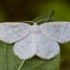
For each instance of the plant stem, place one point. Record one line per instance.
(21, 64)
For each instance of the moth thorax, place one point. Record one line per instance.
(35, 29)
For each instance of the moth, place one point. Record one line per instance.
(30, 40)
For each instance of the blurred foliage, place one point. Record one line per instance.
(20, 10)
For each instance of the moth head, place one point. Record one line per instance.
(35, 28)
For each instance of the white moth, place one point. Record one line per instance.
(35, 40)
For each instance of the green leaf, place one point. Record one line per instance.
(8, 61)
(49, 16)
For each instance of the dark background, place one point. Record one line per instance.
(21, 10)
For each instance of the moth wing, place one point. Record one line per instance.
(46, 48)
(13, 31)
(25, 49)
(59, 31)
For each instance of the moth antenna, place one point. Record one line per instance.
(29, 21)
(43, 20)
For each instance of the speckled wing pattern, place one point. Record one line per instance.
(46, 48)
(42, 43)
(11, 32)
(26, 48)
(58, 31)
